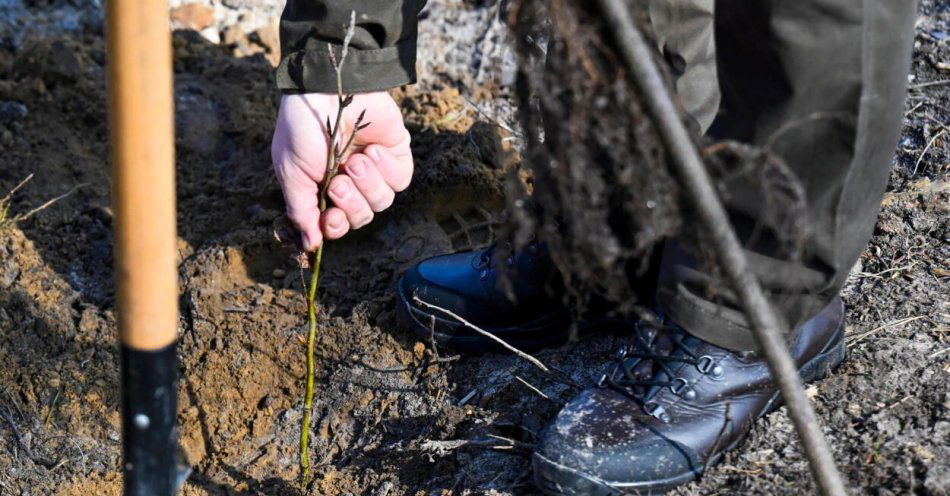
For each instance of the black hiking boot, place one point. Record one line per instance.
(470, 285)
(669, 408)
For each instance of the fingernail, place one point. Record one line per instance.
(373, 153)
(306, 241)
(356, 168)
(335, 224)
(340, 190)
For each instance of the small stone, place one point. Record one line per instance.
(194, 16)
(279, 273)
(211, 34)
(241, 46)
(233, 35)
(9, 273)
(12, 111)
(923, 453)
(6, 138)
(62, 65)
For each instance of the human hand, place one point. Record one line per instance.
(378, 166)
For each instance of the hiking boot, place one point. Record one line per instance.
(670, 407)
(470, 284)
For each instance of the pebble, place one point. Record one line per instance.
(193, 16)
(12, 111)
(279, 273)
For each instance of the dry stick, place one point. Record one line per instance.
(16, 188)
(853, 340)
(536, 390)
(485, 333)
(766, 327)
(334, 157)
(927, 149)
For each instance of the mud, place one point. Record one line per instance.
(389, 407)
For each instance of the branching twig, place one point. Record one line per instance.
(335, 155)
(5, 202)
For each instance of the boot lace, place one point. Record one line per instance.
(649, 364)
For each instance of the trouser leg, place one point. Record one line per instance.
(820, 84)
(684, 34)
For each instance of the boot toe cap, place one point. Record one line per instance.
(596, 442)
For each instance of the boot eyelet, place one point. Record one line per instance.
(681, 388)
(707, 365)
(679, 385)
(656, 410)
(621, 352)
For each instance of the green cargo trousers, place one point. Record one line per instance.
(821, 83)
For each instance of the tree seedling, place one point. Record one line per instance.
(337, 150)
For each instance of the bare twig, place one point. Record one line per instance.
(536, 390)
(46, 205)
(493, 120)
(5, 202)
(441, 448)
(853, 340)
(927, 149)
(467, 397)
(16, 188)
(928, 84)
(699, 188)
(516, 351)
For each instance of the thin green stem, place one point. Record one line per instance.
(315, 260)
(311, 340)
(334, 157)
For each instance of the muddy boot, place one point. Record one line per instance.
(669, 408)
(471, 285)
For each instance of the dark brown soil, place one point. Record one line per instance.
(381, 400)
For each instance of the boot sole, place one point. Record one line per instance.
(557, 480)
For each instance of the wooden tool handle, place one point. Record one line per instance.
(142, 112)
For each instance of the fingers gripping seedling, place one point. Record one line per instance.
(339, 146)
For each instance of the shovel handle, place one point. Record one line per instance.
(143, 157)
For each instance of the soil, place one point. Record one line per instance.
(388, 417)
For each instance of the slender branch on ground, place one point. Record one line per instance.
(554, 373)
(5, 202)
(495, 442)
(531, 387)
(485, 333)
(335, 156)
(699, 188)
